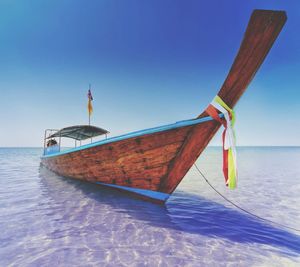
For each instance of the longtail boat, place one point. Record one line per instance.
(151, 163)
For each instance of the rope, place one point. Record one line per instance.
(240, 208)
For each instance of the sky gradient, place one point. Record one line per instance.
(149, 62)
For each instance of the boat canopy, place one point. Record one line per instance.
(79, 132)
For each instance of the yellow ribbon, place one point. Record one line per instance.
(219, 104)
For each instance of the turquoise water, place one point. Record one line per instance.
(47, 220)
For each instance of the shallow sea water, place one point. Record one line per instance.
(48, 220)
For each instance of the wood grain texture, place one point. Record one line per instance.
(139, 162)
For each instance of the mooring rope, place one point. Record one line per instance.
(240, 208)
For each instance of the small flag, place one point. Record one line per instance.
(90, 107)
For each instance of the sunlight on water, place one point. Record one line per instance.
(47, 220)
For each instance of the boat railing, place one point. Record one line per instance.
(51, 148)
(55, 148)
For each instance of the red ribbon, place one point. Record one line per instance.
(213, 112)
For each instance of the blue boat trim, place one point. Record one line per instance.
(176, 125)
(147, 193)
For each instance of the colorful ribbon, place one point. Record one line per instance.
(228, 137)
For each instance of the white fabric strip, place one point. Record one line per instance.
(229, 141)
(229, 136)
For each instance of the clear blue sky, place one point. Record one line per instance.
(149, 63)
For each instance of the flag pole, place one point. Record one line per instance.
(89, 112)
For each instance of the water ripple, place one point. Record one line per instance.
(47, 220)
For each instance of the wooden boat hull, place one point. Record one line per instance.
(152, 162)
(135, 162)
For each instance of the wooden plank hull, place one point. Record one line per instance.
(153, 163)
(139, 162)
